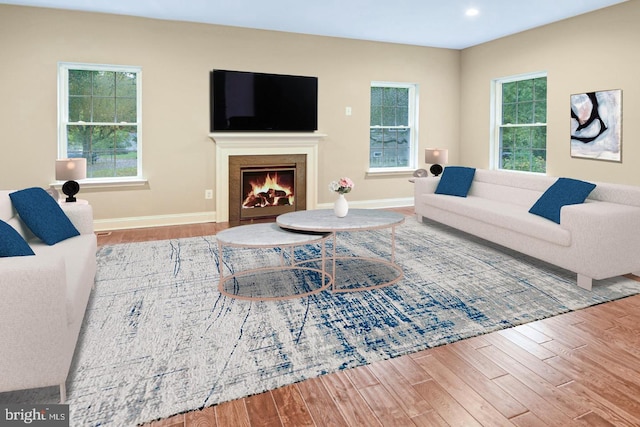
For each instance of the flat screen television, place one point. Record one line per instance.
(258, 102)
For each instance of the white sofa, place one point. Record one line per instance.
(597, 239)
(43, 301)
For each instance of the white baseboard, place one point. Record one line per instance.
(202, 217)
(153, 221)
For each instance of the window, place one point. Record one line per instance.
(393, 131)
(521, 124)
(99, 119)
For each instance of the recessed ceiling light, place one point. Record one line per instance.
(472, 12)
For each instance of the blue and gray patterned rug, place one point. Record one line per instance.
(159, 338)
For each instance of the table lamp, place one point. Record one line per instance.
(70, 170)
(434, 157)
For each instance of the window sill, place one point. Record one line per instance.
(390, 172)
(106, 183)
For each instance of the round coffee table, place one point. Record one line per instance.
(325, 221)
(269, 235)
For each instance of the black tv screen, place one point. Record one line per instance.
(259, 102)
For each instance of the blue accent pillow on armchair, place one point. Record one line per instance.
(12, 243)
(456, 181)
(565, 191)
(43, 215)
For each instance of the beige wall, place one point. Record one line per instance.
(176, 59)
(596, 51)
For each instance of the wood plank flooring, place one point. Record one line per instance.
(580, 368)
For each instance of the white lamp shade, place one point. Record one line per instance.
(71, 169)
(436, 156)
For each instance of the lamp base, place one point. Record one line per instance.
(436, 169)
(70, 189)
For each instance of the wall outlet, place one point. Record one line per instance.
(208, 194)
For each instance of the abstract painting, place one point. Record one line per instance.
(596, 125)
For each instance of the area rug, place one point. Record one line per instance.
(159, 339)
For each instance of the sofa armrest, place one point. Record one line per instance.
(81, 216)
(608, 219)
(33, 322)
(425, 185)
(603, 230)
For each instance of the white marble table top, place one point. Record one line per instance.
(324, 220)
(265, 235)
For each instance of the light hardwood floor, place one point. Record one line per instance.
(579, 368)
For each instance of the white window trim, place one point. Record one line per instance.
(414, 103)
(63, 119)
(496, 114)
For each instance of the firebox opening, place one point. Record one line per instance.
(267, 188)
(267, 191)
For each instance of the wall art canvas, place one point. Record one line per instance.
(596, 125)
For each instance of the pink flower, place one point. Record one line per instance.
(342, 186)
(346, 182)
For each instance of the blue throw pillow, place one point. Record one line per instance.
(43, 215)
(565, 191)
(456, 181)
(12, 243)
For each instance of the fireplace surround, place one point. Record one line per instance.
(266, 185)
(228, 144)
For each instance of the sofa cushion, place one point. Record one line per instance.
(565, 191)
(504, 215)
(12, 243)
(6, 208)
(456, 181)
(505, 193)
(43, 215)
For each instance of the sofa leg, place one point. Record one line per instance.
(585, 282)
(63, 393)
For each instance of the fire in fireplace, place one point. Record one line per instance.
(266, 188)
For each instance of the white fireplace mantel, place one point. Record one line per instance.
(263, 143)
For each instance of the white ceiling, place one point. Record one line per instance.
(437, 23)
